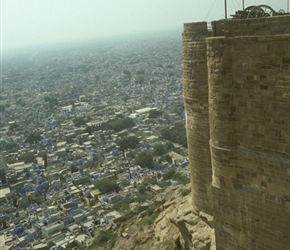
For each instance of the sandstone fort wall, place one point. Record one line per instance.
(195, 93)
(248, 131)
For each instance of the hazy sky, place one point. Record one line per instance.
(30, 22)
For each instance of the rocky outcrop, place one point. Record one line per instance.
(177, 225)
(189, 229)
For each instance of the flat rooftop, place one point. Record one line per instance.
(3, 192)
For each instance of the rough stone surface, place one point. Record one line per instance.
(248, 65)
(194, 231)
(195, 95)
(176, 227)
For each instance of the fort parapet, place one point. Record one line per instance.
(236, 83)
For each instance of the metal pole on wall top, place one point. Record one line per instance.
(226, 9)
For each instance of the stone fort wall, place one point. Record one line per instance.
(195, 94)
(238, 128)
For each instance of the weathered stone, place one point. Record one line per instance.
(195, 231)
(240, 103)
(195, 94)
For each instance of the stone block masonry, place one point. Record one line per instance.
(195, 94)
(243, 153)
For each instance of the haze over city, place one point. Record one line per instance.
(31, 22)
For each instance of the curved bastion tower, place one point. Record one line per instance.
(236, 84)
(195, 95)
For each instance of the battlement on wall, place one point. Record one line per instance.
(276, 25)
(236, 84)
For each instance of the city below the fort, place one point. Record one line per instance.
(89, 134)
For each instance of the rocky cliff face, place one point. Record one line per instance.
(191, 230)
(174, 226)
